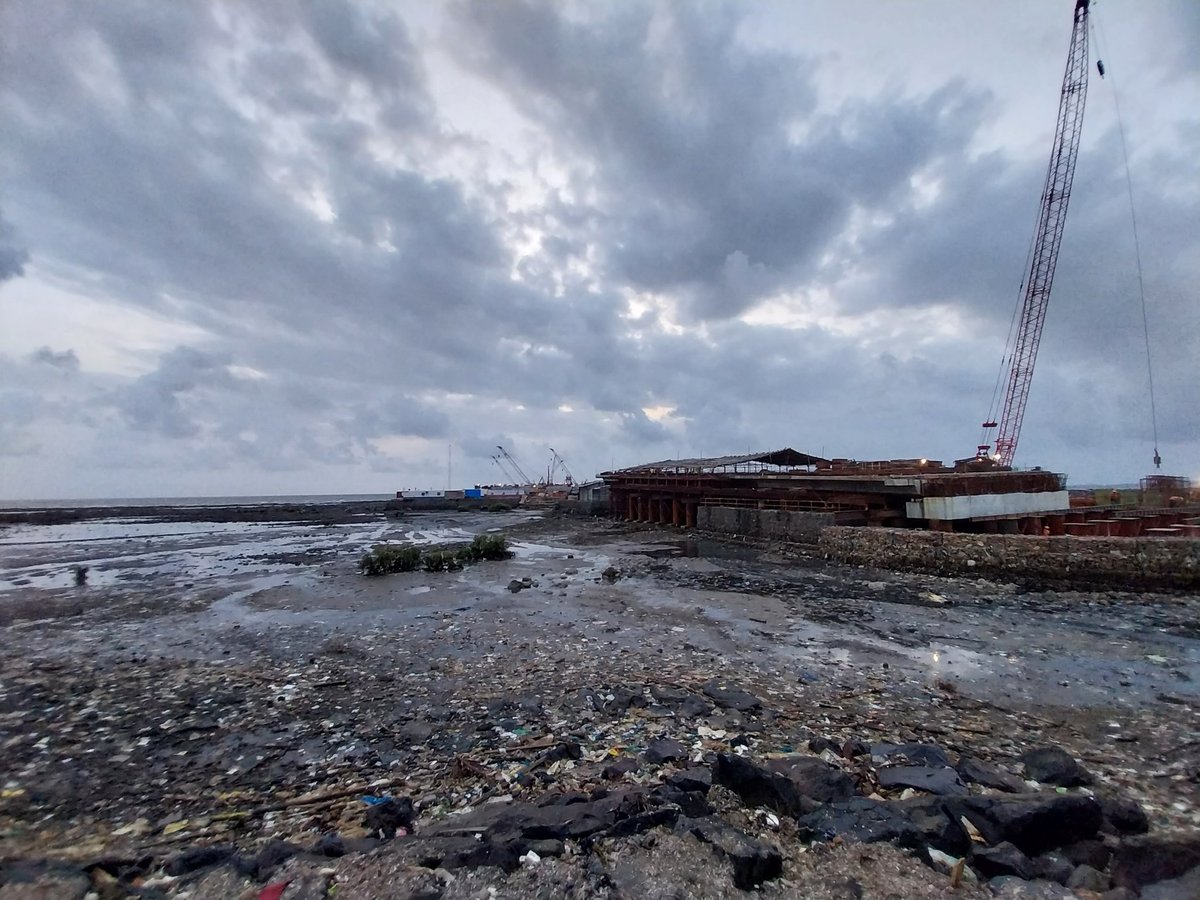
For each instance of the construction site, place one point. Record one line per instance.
(982, 493)
(904, 493)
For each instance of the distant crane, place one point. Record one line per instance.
(524, 479)
(557, 463)
(500, 464)
(1044, 252)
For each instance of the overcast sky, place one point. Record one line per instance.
(252, 248)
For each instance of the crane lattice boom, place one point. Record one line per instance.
(1047, 239)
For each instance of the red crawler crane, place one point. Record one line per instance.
(1047, 239)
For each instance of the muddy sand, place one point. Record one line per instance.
(223, 707)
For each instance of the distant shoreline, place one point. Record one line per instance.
(154, 502)
(331, 510)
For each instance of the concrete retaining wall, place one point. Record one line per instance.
(1117, 562)
(772, 524)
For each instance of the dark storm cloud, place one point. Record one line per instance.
(358, 269)
(705, 192)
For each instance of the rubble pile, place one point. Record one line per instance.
(172, 782)
(591, 724)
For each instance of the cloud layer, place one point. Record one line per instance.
(333, 238)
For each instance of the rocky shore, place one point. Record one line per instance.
(646, 716)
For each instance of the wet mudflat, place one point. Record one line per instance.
(224, 706)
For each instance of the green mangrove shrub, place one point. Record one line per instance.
(383, 559)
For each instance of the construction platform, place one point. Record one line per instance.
(968, 496)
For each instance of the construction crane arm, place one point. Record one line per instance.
(561, 463)
(1056, 195)
(525, 479)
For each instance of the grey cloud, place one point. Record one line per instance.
(60, 359)
(13, 257)
(705, 192)
(405, 416)
(168, 158)
(158, 400)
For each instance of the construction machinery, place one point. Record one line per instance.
(1043, 256)
(557, 465)
(505, 461)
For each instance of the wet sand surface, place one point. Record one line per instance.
(210, 679)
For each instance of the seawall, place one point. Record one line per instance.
(1118, 563)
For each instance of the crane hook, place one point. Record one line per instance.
(1100, 67)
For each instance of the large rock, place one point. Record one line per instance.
(683, 703)
(753, 860)
(1053, 765)
(1003, 859)
(1124, 816)
(911, 754)
(814, 778)
(386, 817)
(939, 827)
(758, 786)
(1033, 822)
(693, 779)
(1141, 861)
(976, 771)
(664, 750)
(730, 696)
(862, 820)
(939, 780)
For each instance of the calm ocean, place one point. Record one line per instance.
(191, 501)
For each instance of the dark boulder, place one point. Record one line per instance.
(758, 786)
(1053, 765)
(385, 817)
(684, 703)
(976, 771)
(694, 779)
(691, 803)
(815, 778)
(821, 744)
(1143, 860)
(1124, 816)
(1053, 867)
(644, 821)
(854, 747)
(1003, 859)
(619, 769)
(861, 820)
(1092, 853)
(1033, 822)
(940, 780)
(730, 697)
(664, 750)
(753, 861)
(939, 826)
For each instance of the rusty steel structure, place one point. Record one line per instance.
(851, 492)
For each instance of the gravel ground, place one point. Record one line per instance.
(235, 683)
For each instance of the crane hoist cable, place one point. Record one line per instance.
(1098, 29)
